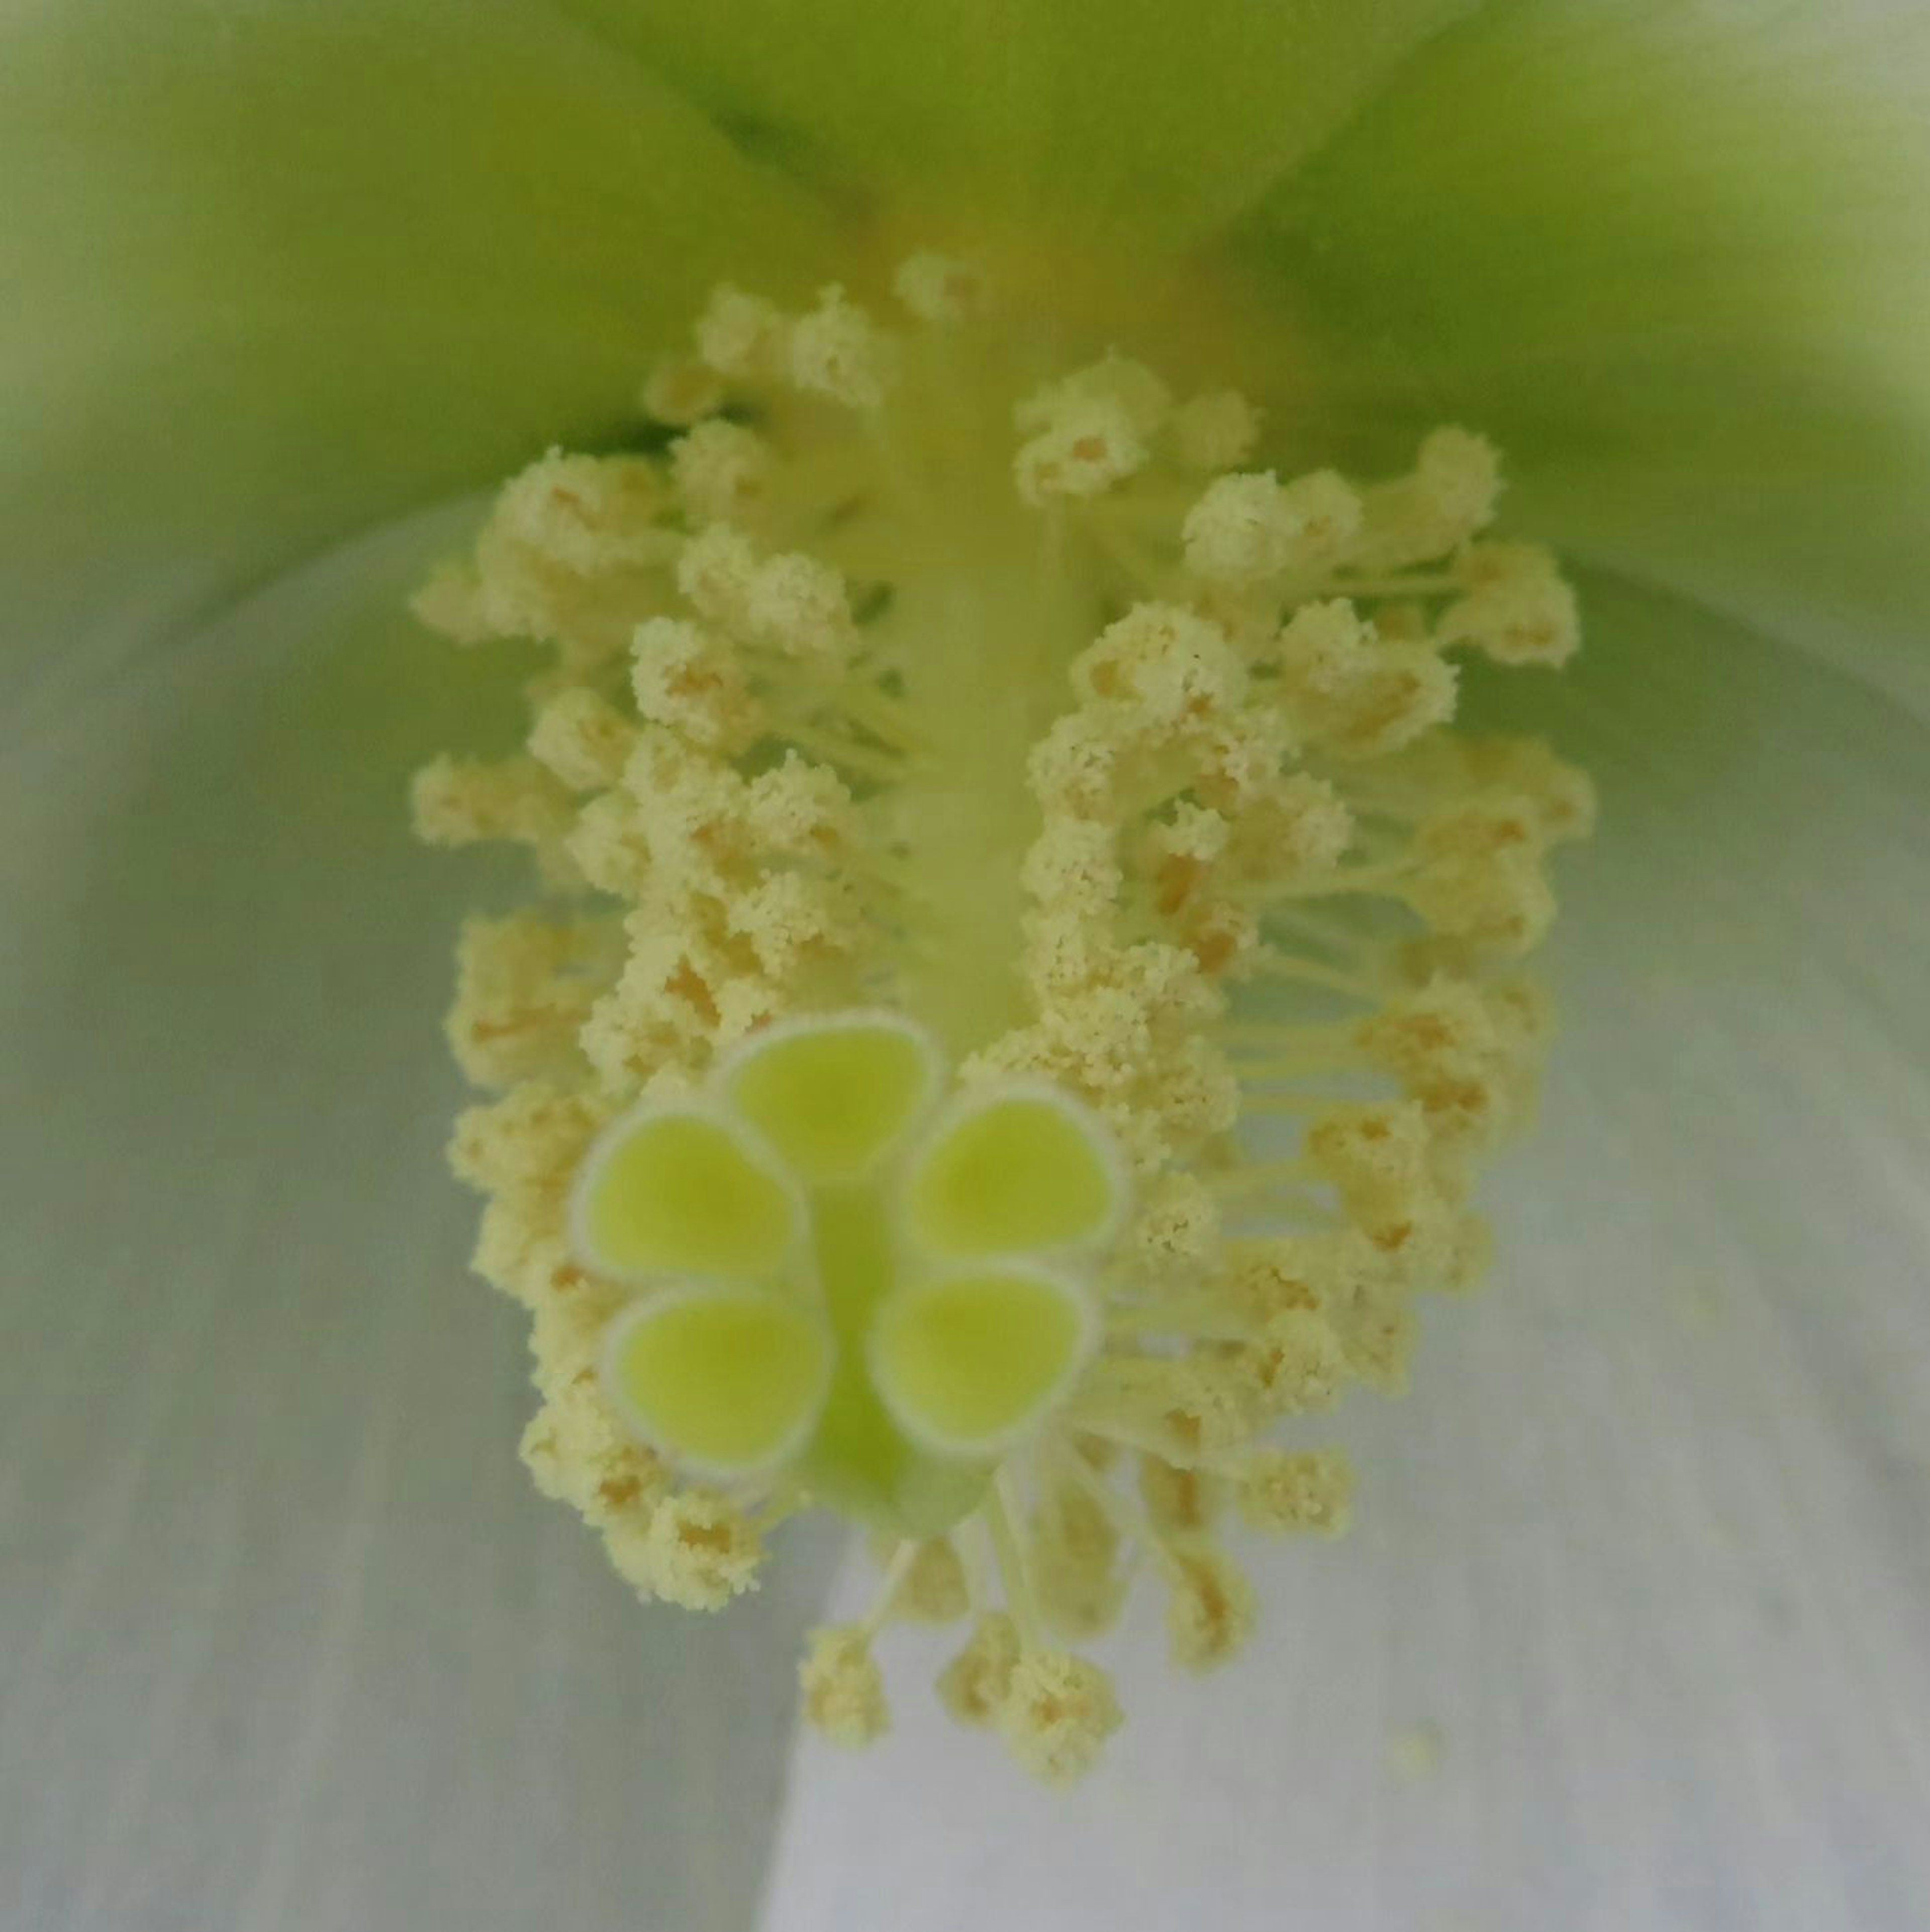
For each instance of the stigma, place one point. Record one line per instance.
(1022, 970)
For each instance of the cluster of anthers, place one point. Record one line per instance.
(1025, 973)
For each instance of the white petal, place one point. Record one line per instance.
(1644, 1552)
(274, 272)
(287, 1640)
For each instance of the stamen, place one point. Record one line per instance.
(681, 392)
(844, 1688)
(1017, 989)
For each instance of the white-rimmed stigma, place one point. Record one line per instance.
(834, 1092)
(727, 1382)
(1018, 1168)
(684, 1190)
(969, 1363)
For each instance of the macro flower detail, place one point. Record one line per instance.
(911, 699)
(1199, 291)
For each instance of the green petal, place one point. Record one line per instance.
(273, 272)
(1022, 1171)
(728, 1382)
(1118, 119)
(1675, 258)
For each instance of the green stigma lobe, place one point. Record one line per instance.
(1024, 1173)
(832, 1097)
(673, 1192)
(729, 1381)
(968, 1363)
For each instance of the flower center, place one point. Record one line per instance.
(922, 702)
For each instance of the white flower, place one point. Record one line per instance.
(287, 1642)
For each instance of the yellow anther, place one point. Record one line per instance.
(1089, 444)
(1177, 1233)
(1179, 1502)
(798, 810)
(836, 351)
(1217, 431)
(1448, 500)
(1307, 1491)
(451, 604)
(467, 801)
(576, 1451)
(1442, 1032)
(1075, 866)
(580, 513)
(1375, 1155)
(975, 1685)
(1330, 1272)
(723, 472)
(941, 290)
(716, 572)
(1524, 1015)
(685, 678)
(524, 986)
(1192, 837)
(1248, 528)
(564, 535)
(1562, 796)
(1142, 400)
(1210, 1614)
(701, 1551)
(790, 922)
(1239, 756)
(1518, 610)
(1057, 1714)
(1192, 1411)
(680, 391)
(1074, 1548)
(1354, 694)
(743, 337)
(1480, 874)
(1459, 474)
(1074, 767)
(1379, 1335)
(1171, 667)
(934, 1588)
(1302, 826)
(1295, 1366)
(843, 1690)
(797, 605)
(583, 739)
(534, 1131)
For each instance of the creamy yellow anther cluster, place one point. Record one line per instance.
(902, 710)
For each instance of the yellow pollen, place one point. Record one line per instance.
(1022, 973)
